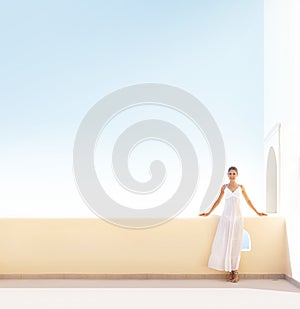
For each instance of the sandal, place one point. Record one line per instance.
(230, 276)
(235, 276)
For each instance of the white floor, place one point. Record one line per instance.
(263, 284)
(146, 294)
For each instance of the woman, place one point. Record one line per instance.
(226, 249)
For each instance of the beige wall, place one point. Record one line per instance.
(92, 246)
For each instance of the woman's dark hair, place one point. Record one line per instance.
(234, 169)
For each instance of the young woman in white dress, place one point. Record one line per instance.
(227, 244)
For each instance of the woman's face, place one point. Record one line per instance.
(232, 175)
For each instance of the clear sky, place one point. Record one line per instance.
(58, 58)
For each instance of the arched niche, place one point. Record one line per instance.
(272, 179)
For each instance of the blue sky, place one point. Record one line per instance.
(58, 58)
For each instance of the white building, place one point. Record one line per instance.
(282, 118)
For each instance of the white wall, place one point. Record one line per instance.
(282, 105)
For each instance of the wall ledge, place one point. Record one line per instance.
(144, 276)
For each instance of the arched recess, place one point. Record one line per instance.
(272, 179)
(246, 244)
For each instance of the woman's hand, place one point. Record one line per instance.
(204, 214)
(261, 214)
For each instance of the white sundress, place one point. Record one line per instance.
(227, 244)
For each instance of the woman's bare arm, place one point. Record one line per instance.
(250, 203)
(216, 203)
